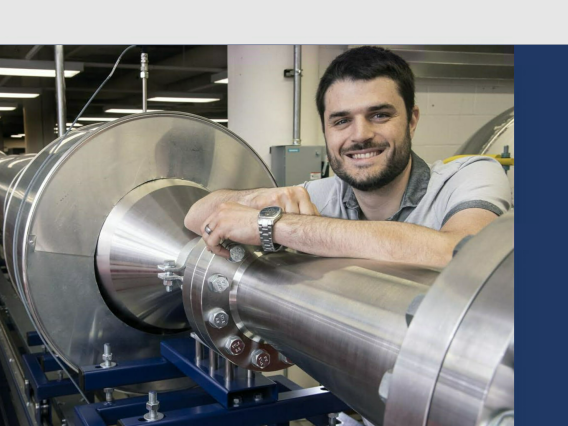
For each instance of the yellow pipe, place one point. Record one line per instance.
(503, 161)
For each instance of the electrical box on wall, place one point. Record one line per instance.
(295, 164)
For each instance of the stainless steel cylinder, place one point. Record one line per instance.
(402, 345)
(10, 167)
(134, 179)
(342, 321)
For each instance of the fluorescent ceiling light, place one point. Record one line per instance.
(220, 78)
(98, 119)
(21, 135)
(26, 68)
(7, 108)
(128, 111)
(174, 99)
(220, 120)
(18, 95)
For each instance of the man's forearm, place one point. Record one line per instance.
(388, 241)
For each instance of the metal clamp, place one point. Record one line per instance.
(172, 274)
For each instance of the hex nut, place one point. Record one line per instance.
(152, 406)
(235, 345)
(218, 318)
(260, 359)
(218, 283)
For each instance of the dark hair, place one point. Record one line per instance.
(368, 63)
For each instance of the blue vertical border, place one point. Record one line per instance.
(541, 255)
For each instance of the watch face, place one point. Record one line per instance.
(270, 211)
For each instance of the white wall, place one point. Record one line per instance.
(260, 98)
(453, 110)
(260, 101)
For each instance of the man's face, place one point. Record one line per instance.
(368, 135)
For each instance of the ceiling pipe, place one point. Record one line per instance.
(297, 93)
(144, 77)
(60, 89)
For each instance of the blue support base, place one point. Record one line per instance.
(290, 406)
(35, 366)
(195, 406)
(127, 373)
(256, 401)
(238, 394)
(104, 413)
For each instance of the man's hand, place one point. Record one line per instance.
(294, 199)
(231, 221)
(291, 199)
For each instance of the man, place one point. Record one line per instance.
(385, 202)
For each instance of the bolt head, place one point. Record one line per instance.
(235, 345)
(236, 401)
(260, 358)
(218, 283)
(237, 253)
(219, 318)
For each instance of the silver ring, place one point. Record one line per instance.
(208, 230)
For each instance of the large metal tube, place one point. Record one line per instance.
(60, 89)
(297, 94)
(372, 331)
(342, 321)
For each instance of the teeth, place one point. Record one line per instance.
(367, 155)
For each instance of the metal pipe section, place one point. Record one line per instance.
(400, 344)
(60, 89)
(144, 77)
(343, 321)
(297, 94)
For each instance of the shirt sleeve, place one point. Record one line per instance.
(479, 182)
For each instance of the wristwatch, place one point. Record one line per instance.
(267, 217)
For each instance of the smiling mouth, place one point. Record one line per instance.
(365, 155)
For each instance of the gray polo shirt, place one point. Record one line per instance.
(433, 195)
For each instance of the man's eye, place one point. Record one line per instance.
(380, 116)
(340, 122)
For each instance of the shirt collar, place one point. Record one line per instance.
(415, 191)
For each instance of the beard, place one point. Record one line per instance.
(397, 161)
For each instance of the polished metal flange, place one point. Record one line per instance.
(84, 179)
(209, 292)
(456, 364)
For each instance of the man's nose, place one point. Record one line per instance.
(362, 130)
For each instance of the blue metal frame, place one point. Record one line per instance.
(35, 366)
(104, 413)
(274, 401)
(181, 353)
(195, 406)
(33, 339)
(127, 373)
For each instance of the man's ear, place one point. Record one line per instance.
(414, 120)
